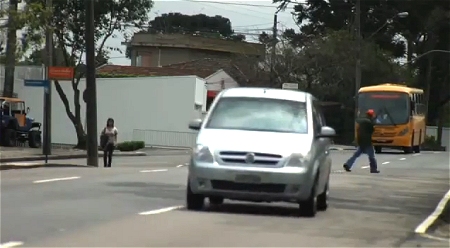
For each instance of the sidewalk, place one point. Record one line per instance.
(20, 154)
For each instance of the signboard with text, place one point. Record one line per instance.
(60, 73)
(290, 86)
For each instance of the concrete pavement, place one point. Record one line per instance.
(135, 202)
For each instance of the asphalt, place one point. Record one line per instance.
(139, 202)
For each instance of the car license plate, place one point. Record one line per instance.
(247, 179)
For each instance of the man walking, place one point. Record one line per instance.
(365, 131)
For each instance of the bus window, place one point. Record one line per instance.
(391, 108)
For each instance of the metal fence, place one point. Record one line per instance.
(165, 138)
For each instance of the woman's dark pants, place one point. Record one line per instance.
(107, 154)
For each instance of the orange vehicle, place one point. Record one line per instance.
(400, 116)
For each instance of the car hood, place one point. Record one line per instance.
(255, 141)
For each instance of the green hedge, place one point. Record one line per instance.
(129, 146)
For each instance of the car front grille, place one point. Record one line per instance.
(232, 157)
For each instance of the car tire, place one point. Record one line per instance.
(322, 200)
(308, 208)
(193, 201)
(34, 139)
(378, 149)
(10, 137)
(215, 200)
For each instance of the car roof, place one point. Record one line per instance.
(292, 95)
(10, 99)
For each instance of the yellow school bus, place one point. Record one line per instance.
(400, 116)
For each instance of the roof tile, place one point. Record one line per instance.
(154, 71)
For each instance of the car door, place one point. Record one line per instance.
(323, 146)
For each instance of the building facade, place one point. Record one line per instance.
(154, 50)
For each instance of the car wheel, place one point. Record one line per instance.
(34, 139)
(193, 201)
(322, 200)
(308, 208)
(378, 149)
(216, 200)
(10, 137)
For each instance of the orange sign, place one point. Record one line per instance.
(60, 73)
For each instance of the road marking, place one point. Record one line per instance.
(385, 163)
(423, 227)
(11, 244)
(160, 170)
(56, 179)
(180, 165)
(160, 211)
(365, 167)
(436, 152)
(416, 154)
(402, 159)
(428, 236)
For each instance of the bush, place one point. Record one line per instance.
(430, 143)
(129, 146)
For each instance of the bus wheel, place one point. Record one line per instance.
(378, 149)
(408, 150)
(416, 149)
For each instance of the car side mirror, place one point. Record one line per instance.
(195, 124)
(28, 110)
(326, 132)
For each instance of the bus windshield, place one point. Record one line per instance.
(391, 108)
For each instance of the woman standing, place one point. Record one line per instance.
(108, 141)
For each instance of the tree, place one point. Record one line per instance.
(209, 26)
(68, 22)
(27, 20)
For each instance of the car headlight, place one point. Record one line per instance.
(203, 154)
(298, 160)
(403, 132)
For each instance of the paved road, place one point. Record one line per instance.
(139, 202)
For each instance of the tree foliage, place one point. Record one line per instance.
(426, 28)
(200, 24)
(68, 21)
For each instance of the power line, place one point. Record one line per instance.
(240, 4)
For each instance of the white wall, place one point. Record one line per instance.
(150, 103)
(214, 81)
(432, 131)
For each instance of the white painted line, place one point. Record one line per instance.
(11, 244)
(402, 159)
(423, 227)
(416, 154)
(385, 163)
(365, 167)
(160, 211)
(56, 179)
(180, 165)
(160, 170)
(428, 236)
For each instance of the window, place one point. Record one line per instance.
(259, 114)
(391, 108)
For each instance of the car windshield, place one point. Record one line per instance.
(391, 108)
(259, 114)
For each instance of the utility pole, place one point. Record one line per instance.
(11, 40)
(274, 46)
(91, 88)
(358, 47)
(47, 139)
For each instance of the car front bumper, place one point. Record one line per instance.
(242, 182)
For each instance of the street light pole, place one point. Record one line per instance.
(47, 139)
(358, 47)
(91, 88)
(274, 46)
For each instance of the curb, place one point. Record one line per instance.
(17, 166)
(342, 149)
(69, 156)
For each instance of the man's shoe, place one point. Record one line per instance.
(347, 168)
(374, 171)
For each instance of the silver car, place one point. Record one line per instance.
(261, 145)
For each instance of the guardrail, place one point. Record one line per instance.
(165, 138)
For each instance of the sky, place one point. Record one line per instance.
(249, 20)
